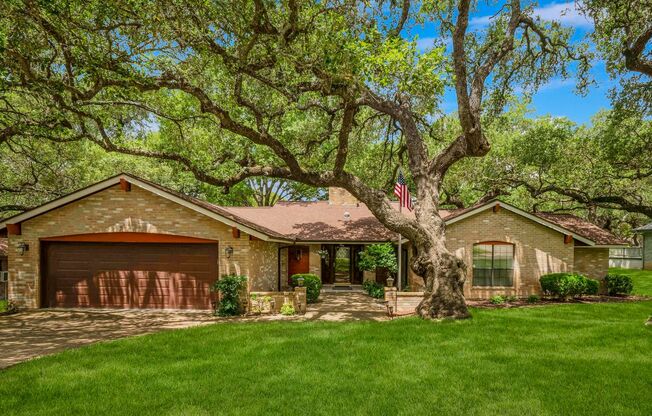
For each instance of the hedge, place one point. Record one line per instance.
(312, 284)
(568, 285)
(619, 284)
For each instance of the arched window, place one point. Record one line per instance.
(493, 264)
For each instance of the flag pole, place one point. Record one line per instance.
(400, 253)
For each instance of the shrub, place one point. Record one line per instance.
(497, 300)
(511, 298)
(619, 284)
(230, 288)
(567, 285)
(533, 298)
(312, 284)
(373, 289)
(378, 256)
(287, 309)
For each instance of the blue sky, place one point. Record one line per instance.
(557, 98)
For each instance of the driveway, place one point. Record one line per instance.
(31, 334)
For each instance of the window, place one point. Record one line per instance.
(493, 264)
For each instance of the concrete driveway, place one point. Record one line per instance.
(35, 333)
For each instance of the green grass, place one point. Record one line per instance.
(642, 280)
(572, 359)
(3, 305)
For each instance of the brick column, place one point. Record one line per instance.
(300, 299)
(390, 298)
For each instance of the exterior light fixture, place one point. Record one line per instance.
(347, 215)
(23, 247)
(297, 254)
(228, 251)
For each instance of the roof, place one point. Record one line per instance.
(320, 221)
(3, 247)
(587, 229)
(646, 227)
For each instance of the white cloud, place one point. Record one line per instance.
(427, 43)
(565, 13)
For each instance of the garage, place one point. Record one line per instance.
(128, 275)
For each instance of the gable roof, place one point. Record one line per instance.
(319, 221)
(195, 204)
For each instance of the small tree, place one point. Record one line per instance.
(379, 256)
(230, 287)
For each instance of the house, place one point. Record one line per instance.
(646, 233)
(3, 268)
(130, 243)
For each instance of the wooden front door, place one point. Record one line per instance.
(298, 260)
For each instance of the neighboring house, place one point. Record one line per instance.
(646, 233)
(127, 242)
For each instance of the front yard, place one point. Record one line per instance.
(642, 280)
(570, 359)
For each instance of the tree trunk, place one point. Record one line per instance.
(444, 275)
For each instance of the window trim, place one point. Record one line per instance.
(492, 243)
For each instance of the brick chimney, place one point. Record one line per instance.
(340, 196)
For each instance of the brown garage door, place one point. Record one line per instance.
(138, 275)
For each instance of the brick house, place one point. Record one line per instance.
(127, 242)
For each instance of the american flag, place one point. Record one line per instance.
(401, 191)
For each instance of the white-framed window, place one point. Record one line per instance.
(493, 264)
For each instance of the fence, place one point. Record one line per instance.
(626, 258)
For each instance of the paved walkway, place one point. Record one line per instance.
(35, 333)
(31, 334)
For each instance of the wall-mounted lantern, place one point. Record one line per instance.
(298, 254)
(22, 248)
(228, 251)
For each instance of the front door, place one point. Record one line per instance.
(342, 266)
(298, 263)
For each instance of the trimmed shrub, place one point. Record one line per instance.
(567, 285)
(533, 298)
(619, 284)
(230, 288)
(287, 309)
(312, 284)
(497, 299)
(511, 298)
(373, 289)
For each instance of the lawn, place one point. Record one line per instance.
(642, 280)
(570, 359)
(3, 305)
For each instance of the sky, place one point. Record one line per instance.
(558, 97)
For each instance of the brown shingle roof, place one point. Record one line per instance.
(582, 227)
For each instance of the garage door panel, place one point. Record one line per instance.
(130, 275)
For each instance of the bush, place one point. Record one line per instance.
(497, 300)
(619, 284)
(378, 256)
(511, 298)
(312, 284)
(287, 309)
(373, 289)
(230, 288)
(567, 285)
(533, 298)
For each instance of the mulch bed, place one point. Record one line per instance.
(523, 303)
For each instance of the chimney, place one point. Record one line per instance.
(340, 196)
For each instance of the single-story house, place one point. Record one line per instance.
(130, 243)
(646, 234)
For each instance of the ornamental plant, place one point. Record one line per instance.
(312, 284)
(619, 284)
(230, 287)
(568, 285)
(287, 309)
(373, 289)
(378, 256)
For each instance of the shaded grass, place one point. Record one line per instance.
(642, 280)
(3, 305)
(570, 359)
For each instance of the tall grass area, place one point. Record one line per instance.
(576, 359)
(642, 280)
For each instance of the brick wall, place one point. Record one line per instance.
(114, 210)
(592, 262)
(340, 196)
(263, 266)
(537, 250)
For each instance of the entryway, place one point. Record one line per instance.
(339, 264)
